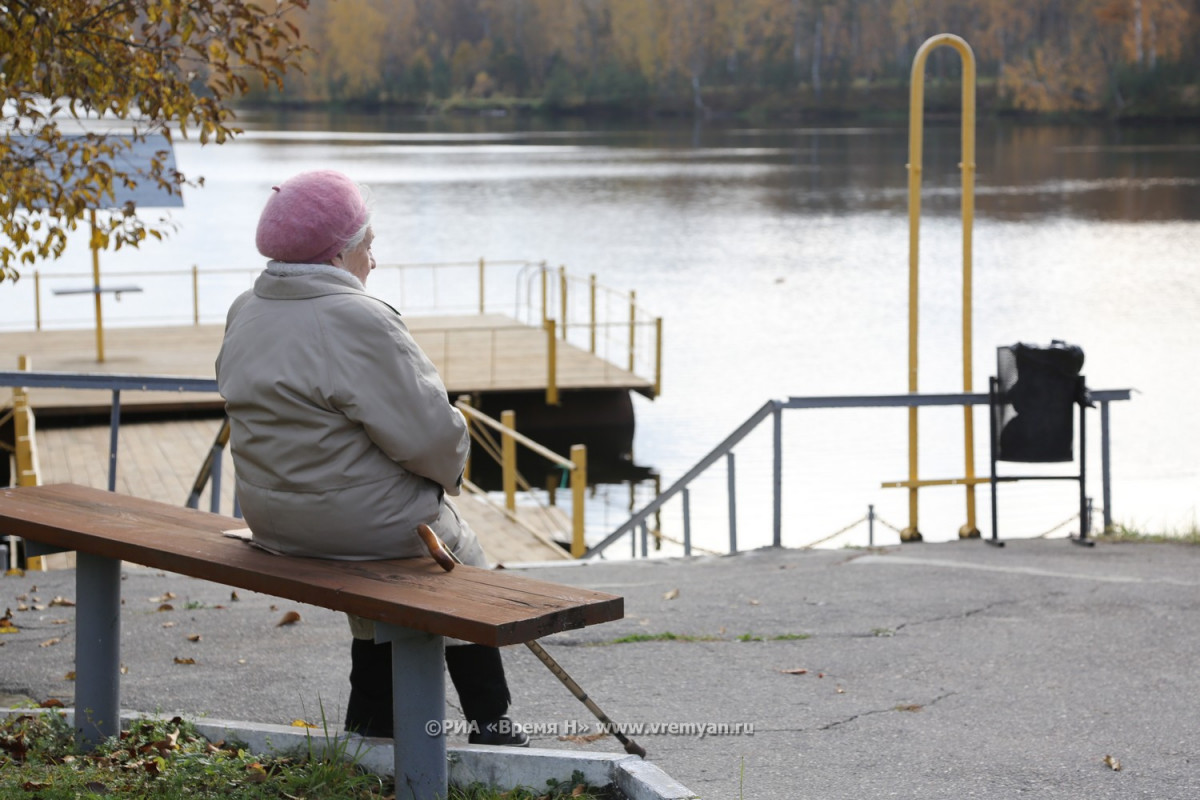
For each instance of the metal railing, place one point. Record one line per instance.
(209, 473)
(773, 409)
(601, 320)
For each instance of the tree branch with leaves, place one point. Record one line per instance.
(82, 81)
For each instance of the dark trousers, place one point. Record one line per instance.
(475, 670)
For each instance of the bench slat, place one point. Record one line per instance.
(484, 606)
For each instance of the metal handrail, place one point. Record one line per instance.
(774, 409)
(116, 383)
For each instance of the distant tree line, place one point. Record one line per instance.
(1122, 57)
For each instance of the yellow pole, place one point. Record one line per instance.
(592, 304)
(195, 295)
(466, 401)
(37, 300)
(562, 296)
(508, 459)
(915, 134)
(551, 365)
(96, 289)
(578, 496)
(632, 326)
(658, 346)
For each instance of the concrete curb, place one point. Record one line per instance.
(502, 767)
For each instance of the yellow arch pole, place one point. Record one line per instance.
(967, 166)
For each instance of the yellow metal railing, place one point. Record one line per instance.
(505, 454)
(967, 167)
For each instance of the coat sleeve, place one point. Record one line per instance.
(388, 385)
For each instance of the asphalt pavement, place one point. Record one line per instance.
(955, 670)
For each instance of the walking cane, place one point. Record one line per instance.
(446, 560)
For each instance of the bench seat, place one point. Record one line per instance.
(414, 602)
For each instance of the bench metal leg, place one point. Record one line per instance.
(419, 706)
(97, 648)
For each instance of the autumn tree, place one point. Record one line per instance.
(142, 68)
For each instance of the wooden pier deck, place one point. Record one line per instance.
(159, 458)
(473, 353)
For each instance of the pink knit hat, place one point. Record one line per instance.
(309, 218)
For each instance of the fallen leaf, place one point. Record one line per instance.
(1112, 763)
(62, 601)
(671, 595)
(124, 670)
(9, 628)
(840, 690)
(299, 723)
(70, 676)
(53, 702)
(241, 661)
(60, 621)
(578, 790)
(22, 597)
(290, 618)
(168, 624)
(22, 607)
(909, 707)
(195, 637)
(233, 597)
(179, 660)
(50, 642)
(796, 671)
(274, 607)
(31, 786)
(166, 607)
(255, 773)
(38, 607)
(755, 603)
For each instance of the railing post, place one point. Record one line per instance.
(551, 364)
(732, 482)
(195, 295)
(632, 327)
(481, 285)
(592, 306)
(508, 459)
(114, 425)
(1105, 474)
(545, 299)
(658, 351)
(578, 499)
(870, 526)
(562, 299)
(466, 401)
(687, 522)
(214, 482)
(777, 478)
(37, 300)
(645, 539)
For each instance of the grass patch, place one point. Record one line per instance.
(169, 759)
(1127, 533)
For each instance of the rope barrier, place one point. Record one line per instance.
(835, 534)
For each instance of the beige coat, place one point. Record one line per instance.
(342, 434)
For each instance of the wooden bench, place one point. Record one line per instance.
(413, 601)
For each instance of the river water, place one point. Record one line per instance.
(777, 257)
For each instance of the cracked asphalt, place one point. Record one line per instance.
(949, 670)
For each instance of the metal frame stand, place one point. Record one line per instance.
(1082, 401)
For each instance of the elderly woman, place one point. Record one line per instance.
(342, 434)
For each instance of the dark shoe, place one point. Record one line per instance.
(499, 732)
